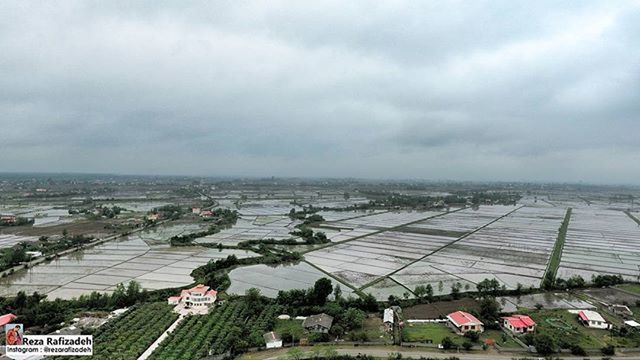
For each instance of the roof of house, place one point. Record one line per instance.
(388, 315)
(271, 336)
(520, 321)
(201, 288)
(632, 323)
(174, 298)
(460, 318)
(621, 308)
(590, 315)
(323, 320)
(6, 319)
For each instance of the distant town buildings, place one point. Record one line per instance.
(320, 323)
(463, 322)
(519, 324)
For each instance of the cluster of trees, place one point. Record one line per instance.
(606, 280)
(228, 329)
(40, 315)
(129, 335)
(13, 256)
(17, 254)
(214, 273)
(309, 236)
(349, 314)
(169, 211)
(225, 218)
(100, 211)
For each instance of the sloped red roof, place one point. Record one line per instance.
(520, 321)
(460, 318)
(583, 316)
(6, 319)
(199, 288)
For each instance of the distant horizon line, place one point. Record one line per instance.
(361, 179)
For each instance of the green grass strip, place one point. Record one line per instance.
(554, 262)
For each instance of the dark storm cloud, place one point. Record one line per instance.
(468, 90)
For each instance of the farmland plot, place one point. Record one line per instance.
(270, 279)
(102, 267)
(8, 240)
(253, 228)
(369, 258)
(601, 241)
(514, 250)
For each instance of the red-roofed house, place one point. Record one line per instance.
(519, 324)
(199, 295)
(6, 319)
(174, 300)
(592, 319)
(464, 322)
(207, 213)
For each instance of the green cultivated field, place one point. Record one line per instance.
(568, 329)
(129, 335)
(232, 325)
(431, 331)
(634, 288)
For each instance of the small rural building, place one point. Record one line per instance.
(592, 319)
(519, 324)
(284, 317)
(632, 324)
(199, 295)
(207, 213)
(196, 210)
(153, 217)
(463, 322)
(173, 300)
(272, 340)
(387, 319)
(320, 323)
(621, 310)
(8, 219)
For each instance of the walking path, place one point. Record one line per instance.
(156, 343)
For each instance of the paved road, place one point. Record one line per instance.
(383, 352)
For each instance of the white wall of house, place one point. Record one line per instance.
(274, 344)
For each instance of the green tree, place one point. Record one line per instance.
(337, 292)
(545, 345)
(352, 318)
(447, 343)
(321, 290)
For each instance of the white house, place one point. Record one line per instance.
(387, 319)
(199, 295)
(272, 340)
(592, 319)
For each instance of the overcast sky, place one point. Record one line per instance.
(463, 90)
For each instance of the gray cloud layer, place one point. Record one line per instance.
(511, 90)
